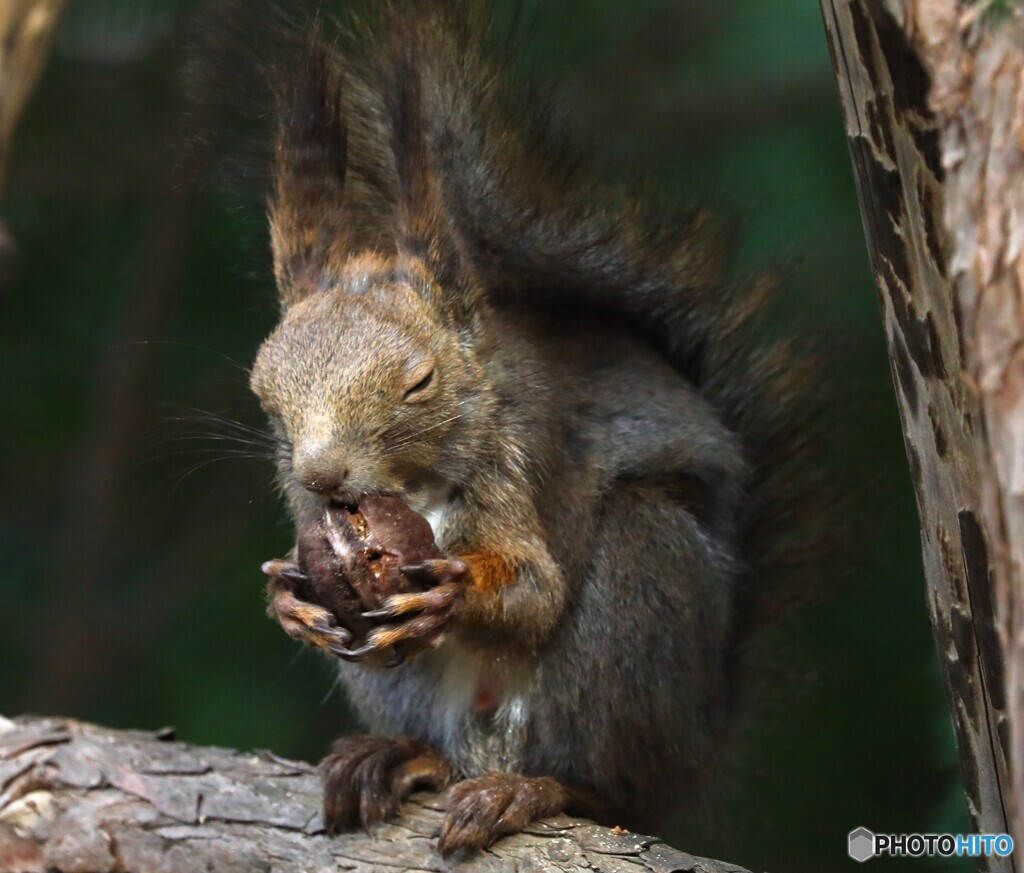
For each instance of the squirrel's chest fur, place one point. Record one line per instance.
(473, 707)
(480, 702)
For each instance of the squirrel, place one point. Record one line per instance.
(559, 373)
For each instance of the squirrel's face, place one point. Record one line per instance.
(371, 390)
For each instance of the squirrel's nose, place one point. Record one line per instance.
(320, 473)
(328, 484)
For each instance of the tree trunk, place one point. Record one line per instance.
(77, 798)
(933, 98)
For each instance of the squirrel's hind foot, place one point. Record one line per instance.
(366, 779)
(483, 809)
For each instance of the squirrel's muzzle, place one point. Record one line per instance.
(322, 469)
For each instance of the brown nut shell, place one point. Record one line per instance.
(353, 558)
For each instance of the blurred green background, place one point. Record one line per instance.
(131, 536)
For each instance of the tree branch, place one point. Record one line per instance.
(78, 797)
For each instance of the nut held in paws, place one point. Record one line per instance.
(353, 557)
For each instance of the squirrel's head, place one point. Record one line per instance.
(373, 374)
(373, 387)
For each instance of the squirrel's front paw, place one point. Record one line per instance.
(412, 622)
(303, 621)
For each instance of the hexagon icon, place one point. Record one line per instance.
(862, 844)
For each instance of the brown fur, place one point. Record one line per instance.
(367, 778)
(626, 472)
(483, 809)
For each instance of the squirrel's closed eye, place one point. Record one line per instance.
(418, 389)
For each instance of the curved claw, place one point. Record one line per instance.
(420, 633)
(397, 659)
(353, 655)
(435, 600)
(442, 569)
(340, 634)
(483, 809)
(367, 778)
(306, 622)
(281, 567)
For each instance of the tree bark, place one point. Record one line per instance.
(933, 97)
(75, 798)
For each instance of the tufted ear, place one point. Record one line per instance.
(424, 230)
(355, 169)
(308, 224)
